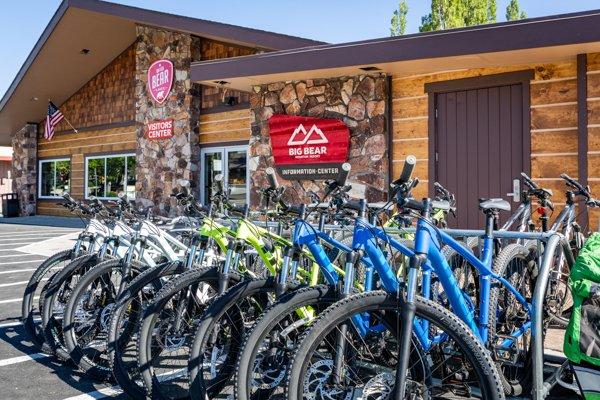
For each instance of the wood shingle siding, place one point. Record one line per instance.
(229, 126)
(593, 103)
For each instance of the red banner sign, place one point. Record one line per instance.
(160, 129)
(307, 147)
(160, 80)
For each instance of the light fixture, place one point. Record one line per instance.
(34, 99)
(85, 52)
(370, 68)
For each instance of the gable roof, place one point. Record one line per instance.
(55, 68)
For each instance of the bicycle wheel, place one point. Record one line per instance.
(124, 325)
(515, 263)
(54, 297)
(220, 333)
(267, 347)
(167, 329)
(458, 366)
(30, 308)
(87, 314)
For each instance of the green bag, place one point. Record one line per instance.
(582, 337)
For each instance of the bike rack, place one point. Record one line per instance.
(541, 387)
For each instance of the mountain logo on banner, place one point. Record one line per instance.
(301, 137)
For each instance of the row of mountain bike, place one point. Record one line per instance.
(334, 298)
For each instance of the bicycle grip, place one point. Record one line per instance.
(407, 170)
(343, 175)
(272, 178)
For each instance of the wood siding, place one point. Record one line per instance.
(212, 50)
(107, 98)
(220, 128)
(593, 103)
(76, 147)
(553, 120)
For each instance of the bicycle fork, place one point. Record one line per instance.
(337, 372)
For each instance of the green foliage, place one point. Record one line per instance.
(448, 14)
(398, 23)
(514, 12)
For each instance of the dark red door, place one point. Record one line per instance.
(479, 145)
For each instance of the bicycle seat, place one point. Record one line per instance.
(494, 204)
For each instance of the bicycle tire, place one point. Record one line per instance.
(513, 385)
(318, 297)
(225, 307)
(53, 334)
(207, 275)
(487, 375)
(32, 328)
(94, 368)
(123, 371)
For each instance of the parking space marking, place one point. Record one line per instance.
(15, 244)
(14, 271)
(98, 394)
(16, 323)
(20, 359)
(16, 300)
(36, 233)
(19, 255)
(13, 284)
(21, 262)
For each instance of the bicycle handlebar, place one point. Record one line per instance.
(576, 185)
(272, 178)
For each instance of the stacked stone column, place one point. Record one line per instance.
(24, 168)
(360, 101)
(160, 164)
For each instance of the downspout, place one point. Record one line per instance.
(582, 132)
(390, 136)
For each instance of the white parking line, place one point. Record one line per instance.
(98, 394)
(20, 359)
(13, 284)
(19, 255)
(14, 271)
(16, 323)
(15, 300)
(15, 244)
(21, 262)
(34, 233)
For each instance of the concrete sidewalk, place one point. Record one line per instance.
(45, 220)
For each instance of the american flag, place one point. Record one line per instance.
(52, 119)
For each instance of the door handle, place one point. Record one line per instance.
(516, 193)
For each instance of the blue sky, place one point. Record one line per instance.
(332, 21)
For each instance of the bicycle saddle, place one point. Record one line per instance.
(494, 204)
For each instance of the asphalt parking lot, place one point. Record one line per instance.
(24, 372)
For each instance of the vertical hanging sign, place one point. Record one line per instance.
(160, 80)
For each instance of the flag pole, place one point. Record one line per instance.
(72, 127)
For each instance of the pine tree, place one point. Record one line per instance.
(514, 12)
(398, 23)
(447, 14)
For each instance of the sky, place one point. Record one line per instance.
(333, 21)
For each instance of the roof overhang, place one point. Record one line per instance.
(55, 68)
(520, 42)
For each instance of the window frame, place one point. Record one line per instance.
(104, 156)
(224, 150)
(39, 180)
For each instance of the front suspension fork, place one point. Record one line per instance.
(407, 315)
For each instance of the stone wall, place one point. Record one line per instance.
(24, 168)
(360, 101)
(161, 163)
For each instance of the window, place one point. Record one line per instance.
(106, 176)
(231, 162)
(54, 177)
